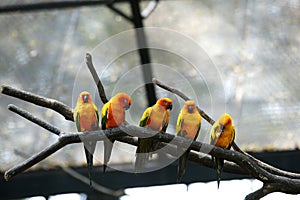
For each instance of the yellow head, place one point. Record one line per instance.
(190, 106)
(85, 97)
(225, 121)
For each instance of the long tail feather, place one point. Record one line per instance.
(89, 149)
(108, 145)
(181, 165)
(142, 153)
(219, 166)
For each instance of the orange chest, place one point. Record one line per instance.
(156, 120)
(191, 130)
(88, 119)
(225, 139)
(116, 116)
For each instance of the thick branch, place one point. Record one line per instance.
(35, 159)
(273, 178)
(67, 111)
(258, 194)
(52, 104)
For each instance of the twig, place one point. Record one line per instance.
(96, 78)
(96, 186)
(34, 119)
(52, 104)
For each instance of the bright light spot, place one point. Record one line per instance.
(235, 190)
(68, 197)
(36, 198)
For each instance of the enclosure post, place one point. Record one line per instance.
(143, 51)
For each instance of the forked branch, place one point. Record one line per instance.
(274, 179)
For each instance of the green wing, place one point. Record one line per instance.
(104, 115)
(77, 118)
(198, 131)
(213, 134)
(97, 112)
(145, 117)
(179, 123)
(166, 121)
(233, 129)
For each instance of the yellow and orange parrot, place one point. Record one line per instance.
(113, 115)
(86, 118)
(157, 119)
(222, 135)
(188, 126)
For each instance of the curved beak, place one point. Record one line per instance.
(190, 109)
(222, 127)
(170, 107)
(127, 107)
(85, 99)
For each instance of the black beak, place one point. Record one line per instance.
(85, 98)
(127, 107)
(170, 107)
(190, 109)
(222, 127)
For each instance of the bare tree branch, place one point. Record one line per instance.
(287, 185)
(34, 159)
(274, 179)
(34, 119)
(52, 104)
(96, 78)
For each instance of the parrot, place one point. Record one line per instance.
(188, 126)
(86, 118)
(113, 115)
(222, 134)
(157, 119)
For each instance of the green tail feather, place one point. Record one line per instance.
(89, 149)
(219, 167)
(181, 165)
(143, 153)
(108, 145)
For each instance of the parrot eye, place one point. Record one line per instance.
(125, 101)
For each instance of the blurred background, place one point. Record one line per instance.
(240, 57)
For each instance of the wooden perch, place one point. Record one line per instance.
(274, 180)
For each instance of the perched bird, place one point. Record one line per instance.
(113, 115)
(86, 118)
(222, 135)
(157, 119)
(188, 126)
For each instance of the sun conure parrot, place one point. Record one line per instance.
(222, 135)
(188, 126)
(157, 119)
(113, 115)
(86, 118)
